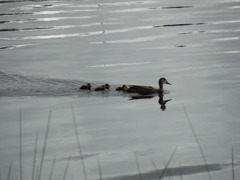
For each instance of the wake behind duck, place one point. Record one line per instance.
(142, 90)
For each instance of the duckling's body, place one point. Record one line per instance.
(86, 87)
(122, 88)
(146, 90)
(106, 86)
(102, 88)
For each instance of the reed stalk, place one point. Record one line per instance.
(34, 157)
(37, 172)
(166, 166)
(44, 146)
(66, 168)
(52, 169)
(180, 172)
(154, 165)
(99, 170)
(9, 172)
(20, 143)
(233, 171)
(198, 143)
(168, 172)
(138, 167)
(78, 143)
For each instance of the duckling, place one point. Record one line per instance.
(86, 86)
(106, 86)
(146, 90)
(122, 88)
(102, 87)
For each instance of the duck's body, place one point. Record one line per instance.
(146, 90)
(86, 87)
(102, 88)
(123, 88)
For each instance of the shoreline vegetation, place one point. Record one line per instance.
(156, 173)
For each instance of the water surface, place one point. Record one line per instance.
(49, 48)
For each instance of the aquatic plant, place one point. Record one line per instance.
(37, 168)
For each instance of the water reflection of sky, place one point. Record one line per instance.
(49, 48)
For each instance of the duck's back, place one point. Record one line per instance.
(144, 90)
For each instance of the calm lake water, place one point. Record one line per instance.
(49, 48)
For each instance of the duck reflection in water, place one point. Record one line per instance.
(161, 101)
(148, 92)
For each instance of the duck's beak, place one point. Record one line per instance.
(166, 82)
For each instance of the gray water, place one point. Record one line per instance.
(49, 48)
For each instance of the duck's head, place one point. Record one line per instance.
(88, 85)
(163, 81)
(107, 86)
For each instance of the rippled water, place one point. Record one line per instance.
(49, 48)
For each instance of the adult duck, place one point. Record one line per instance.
(146, 90)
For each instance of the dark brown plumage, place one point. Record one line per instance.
(102, 88)
(122, 88)
(86, 87)
(146, 90)
(106, 86)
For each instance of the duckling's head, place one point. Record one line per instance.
(88, 85)
(124, 86)
(163, 81)
(107, 86)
